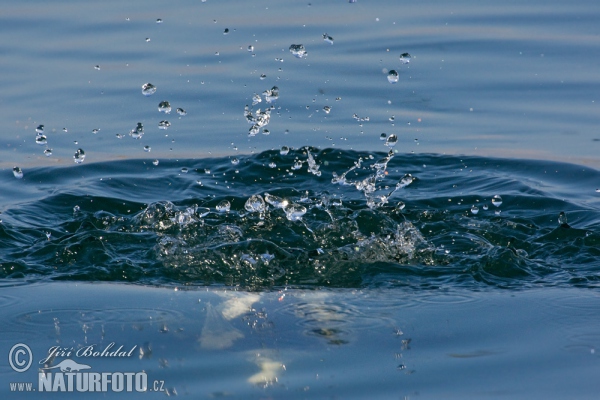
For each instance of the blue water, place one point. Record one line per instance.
(348, 242)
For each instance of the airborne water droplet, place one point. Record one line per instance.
(164, 106)
(298, 50)
(284, 150)
(327, 109)
(562, 220)
(79, 156)
(138, 132)
(405, 58)
(48, 152)
(474, 210)
(41, 139)
(391, 141)
(40, 129)
(181, 112)
(164, 125)
(148, 89)
(223, 206)
(17, 172)
(327, 38)
(155, 162)
(392, 76)
(147, 149)
(235, 161)
(497, 200)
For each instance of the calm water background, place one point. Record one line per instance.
(392, 290)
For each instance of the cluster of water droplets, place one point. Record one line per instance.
(393, 76)
(259, 118)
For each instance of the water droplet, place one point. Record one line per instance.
(272, 94)
(405, 58)
(164, 106)
(327, 109)
(263, 77)
(275, 201)
(297, 165)
(485, 207)
(164, 125)
(266, 132)
(405, 181)
(147, 149)
(41, 139)
(294, 212)
(95, 131)
(383, 136)
(474, 210)
(223, 206)
(207, 170)
(39, 129)
(181, 112)
(184, 170)
(400, 206)
(497, 200)
(327, 38)
(562, 220)
(48, 152)
(138, 132)
(79, 156)
(76, 209)
(159, 21)
(148, 89)
(97, 68)
(226, 31)
(155, 162)
(147, 39)
(256, 99)
(392, 76)
(272, 165)
(298, 51)
(17, 172)
(65, 130)
(235, 161)
(391, 141)
(284, 150)
(255, 204)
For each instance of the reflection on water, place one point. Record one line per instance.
(317, 343)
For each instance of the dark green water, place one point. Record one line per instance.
(133, 221)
